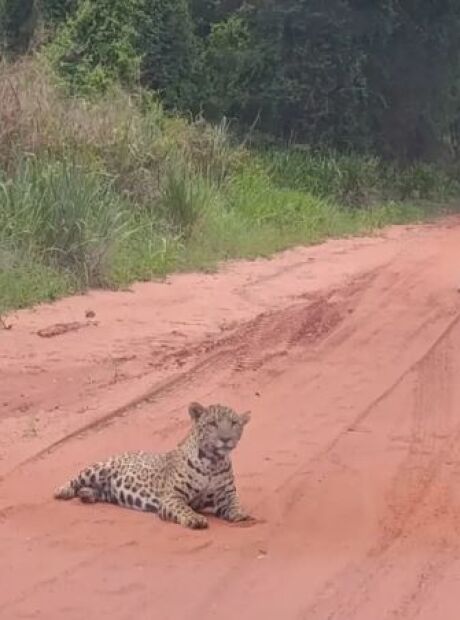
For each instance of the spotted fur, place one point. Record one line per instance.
(194, 478)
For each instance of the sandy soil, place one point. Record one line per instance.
(348, 355)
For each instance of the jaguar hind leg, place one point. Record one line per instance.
(89, 495)
(88, 485)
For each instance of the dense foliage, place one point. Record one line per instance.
(364, 75)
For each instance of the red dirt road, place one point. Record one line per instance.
(348, 355)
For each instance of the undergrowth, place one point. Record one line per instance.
(105, 191)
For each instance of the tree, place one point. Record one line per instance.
(171, 52)
(413, 51)
(97, 45)
(18, 20)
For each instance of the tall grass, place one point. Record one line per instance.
(65, 217)
(103, 192)
(359, 181)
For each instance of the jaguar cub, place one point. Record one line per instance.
(193, 478)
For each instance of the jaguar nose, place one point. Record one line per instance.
(227, 441)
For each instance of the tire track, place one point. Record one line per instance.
(434, 435)
(246, 347)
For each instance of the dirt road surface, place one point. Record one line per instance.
(348, 355)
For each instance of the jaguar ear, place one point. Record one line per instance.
(245, 417)
(195, 411)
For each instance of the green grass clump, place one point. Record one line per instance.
(68, 218)
(25, 280)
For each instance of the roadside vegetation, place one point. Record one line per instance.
(105, 180)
